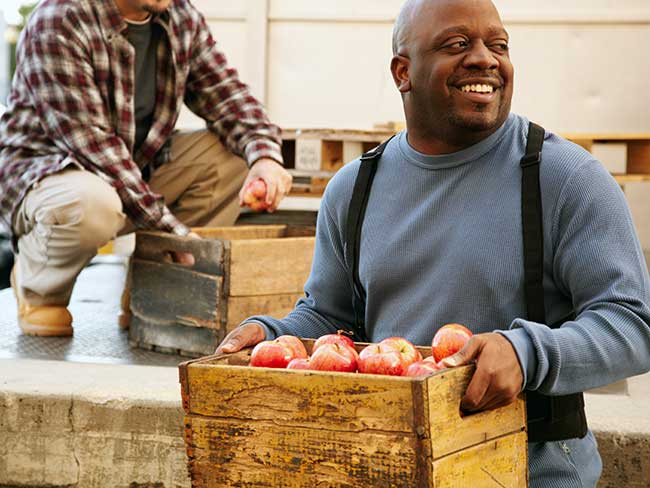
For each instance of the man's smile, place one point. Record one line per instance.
(478, 91)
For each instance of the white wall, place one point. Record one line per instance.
(4, 60)
(581, 65)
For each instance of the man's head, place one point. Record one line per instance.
(452, 66)
(140, 9)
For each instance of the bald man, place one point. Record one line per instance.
(474, 215)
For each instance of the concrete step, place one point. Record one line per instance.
(65, 424)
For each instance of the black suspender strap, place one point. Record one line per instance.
(558, 417)
(531, 215)
(356, 214)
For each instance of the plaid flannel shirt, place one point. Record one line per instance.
(72, 103)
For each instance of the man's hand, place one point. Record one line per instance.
(243, 336)
(277, 179)
(185, 258)
(498, 377)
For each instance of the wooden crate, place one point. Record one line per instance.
(239, 271)
(265, 427)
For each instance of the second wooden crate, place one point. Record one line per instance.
(238, 272)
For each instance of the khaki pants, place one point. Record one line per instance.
(66, 217)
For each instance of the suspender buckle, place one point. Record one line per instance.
(531, 159)
(370, 155)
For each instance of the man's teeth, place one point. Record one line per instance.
(477, 88)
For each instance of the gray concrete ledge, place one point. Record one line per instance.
(79, 425)
(86, 425)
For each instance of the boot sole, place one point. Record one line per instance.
(44, 330)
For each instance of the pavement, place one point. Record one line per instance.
(88, 411)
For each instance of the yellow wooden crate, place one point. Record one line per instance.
(265, 427)
(238, 272)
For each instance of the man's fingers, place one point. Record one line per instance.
(271, 190)
(246, 335)
(184, 258)
(465, 355)
(232, 345)
(279, 195)
(476, 391)
(498, 402)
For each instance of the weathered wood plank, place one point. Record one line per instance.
(156, 246)
(267, 267)
(240, 308)
(291, 217)
(638, 157)
(449, 431)
(170, 295)
(242, 232)
(501, 462)
(336, 401)
(177, 338)
(223, 452)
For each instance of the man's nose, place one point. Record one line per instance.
(480, 56)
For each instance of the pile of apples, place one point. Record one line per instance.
(394, 356)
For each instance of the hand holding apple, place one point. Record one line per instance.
(277, 181)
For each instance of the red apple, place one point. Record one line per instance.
(448, 340)
(405, 347)
(333, 339)
(255, 195)
(295, 344)
(381, 359)
(423, 368)
(278, 352)
(334, 357)
(299, 363)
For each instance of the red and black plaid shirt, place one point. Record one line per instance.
(71, 103)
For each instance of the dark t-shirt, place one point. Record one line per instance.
(144, 38)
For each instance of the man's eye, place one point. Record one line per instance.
(458, 45)
(501, 46)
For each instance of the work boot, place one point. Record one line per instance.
(124, 318)
(44, 320)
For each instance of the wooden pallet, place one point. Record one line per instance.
(309, 183)
(327, 149)
(239, 271)
(627, 156)
(276, 428)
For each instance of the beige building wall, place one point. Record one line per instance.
(581, 65)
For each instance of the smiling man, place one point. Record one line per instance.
(88, 148)
(476, 216)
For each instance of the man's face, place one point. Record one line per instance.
(460, 71)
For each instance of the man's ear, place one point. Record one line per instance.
(399, 67)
